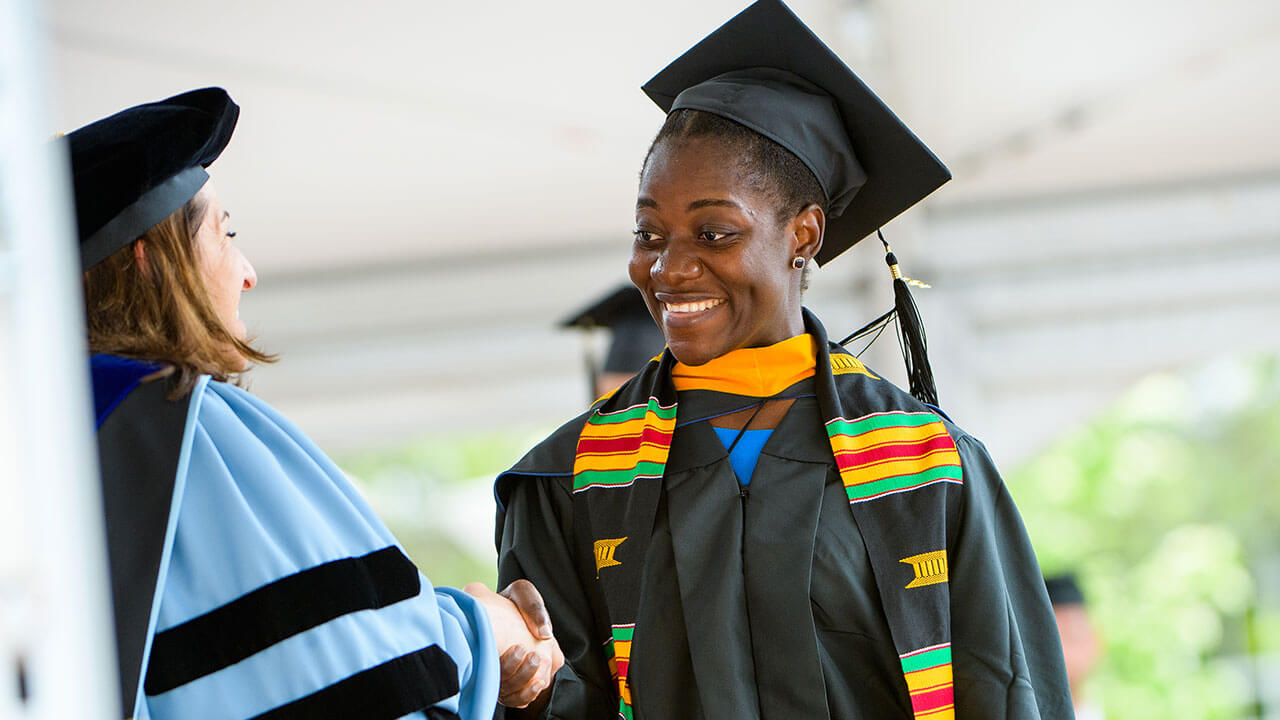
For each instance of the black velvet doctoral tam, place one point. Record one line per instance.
(133, 169)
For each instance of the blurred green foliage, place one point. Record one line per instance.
(1166, 507)
(436, 496)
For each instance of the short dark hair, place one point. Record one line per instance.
(770, 167)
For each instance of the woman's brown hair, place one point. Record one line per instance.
(160, 311)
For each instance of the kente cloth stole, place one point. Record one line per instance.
(899, 465)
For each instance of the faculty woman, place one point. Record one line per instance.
(249, 578)
(757, 525)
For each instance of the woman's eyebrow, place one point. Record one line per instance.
(712, 202)
(645, 202)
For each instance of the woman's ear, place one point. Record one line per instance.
(140, 257)
(807, 227)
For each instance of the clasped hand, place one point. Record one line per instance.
(529, 655)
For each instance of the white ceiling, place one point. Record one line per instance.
(383, 129)
(432, 174)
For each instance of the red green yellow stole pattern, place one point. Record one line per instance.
(892, 452)
(618, 447)
(887, 453)
(894, 455)
(619, 654)
(928, 673)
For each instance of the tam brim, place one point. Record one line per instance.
(135, 168)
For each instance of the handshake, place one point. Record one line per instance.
(529, 655)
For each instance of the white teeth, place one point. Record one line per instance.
(691, 307)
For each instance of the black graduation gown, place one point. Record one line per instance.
(763, 603)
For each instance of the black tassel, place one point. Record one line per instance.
(915, 348)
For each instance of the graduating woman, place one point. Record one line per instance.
(757, 525)
(249, 578)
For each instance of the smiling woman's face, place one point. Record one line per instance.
(711, 257)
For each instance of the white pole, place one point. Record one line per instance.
(55, 616)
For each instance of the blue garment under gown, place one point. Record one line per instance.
(744, 448)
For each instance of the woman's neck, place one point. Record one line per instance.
(754, 372)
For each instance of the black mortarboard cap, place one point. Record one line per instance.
(766, 70)
(135, 168)
(635, 336)
(1064, 590)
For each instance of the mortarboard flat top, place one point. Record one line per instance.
(621, 304)
(135, 168)
(899, 169)
(636, 337)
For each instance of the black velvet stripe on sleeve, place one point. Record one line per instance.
(391, 690)
(276, 611)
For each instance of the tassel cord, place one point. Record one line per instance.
(911, 336)
(878, 326)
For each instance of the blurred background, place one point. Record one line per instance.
(426, 188)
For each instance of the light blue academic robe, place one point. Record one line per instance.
(280, 594)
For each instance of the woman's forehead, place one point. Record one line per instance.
(698, 172)
(703, 162)
(213, 209)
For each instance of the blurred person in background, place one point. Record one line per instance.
(1081, 647)
(634, 339)
(249, 578)
(757, 525)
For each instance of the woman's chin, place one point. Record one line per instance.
(232, 359)
(692, 354)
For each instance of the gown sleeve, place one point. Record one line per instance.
(1008, 660)
(535, 540)
(468, 639)
(282, 594)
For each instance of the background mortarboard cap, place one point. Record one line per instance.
(899, 169)
(133, 169)
(1064, 590)
(635, 336)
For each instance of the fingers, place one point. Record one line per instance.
(518, 667)
(557, 657)
(527, 665)
(527, 598)
(477, 589)
(525, 674)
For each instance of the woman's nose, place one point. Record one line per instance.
(250, 275)
(675, 265)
